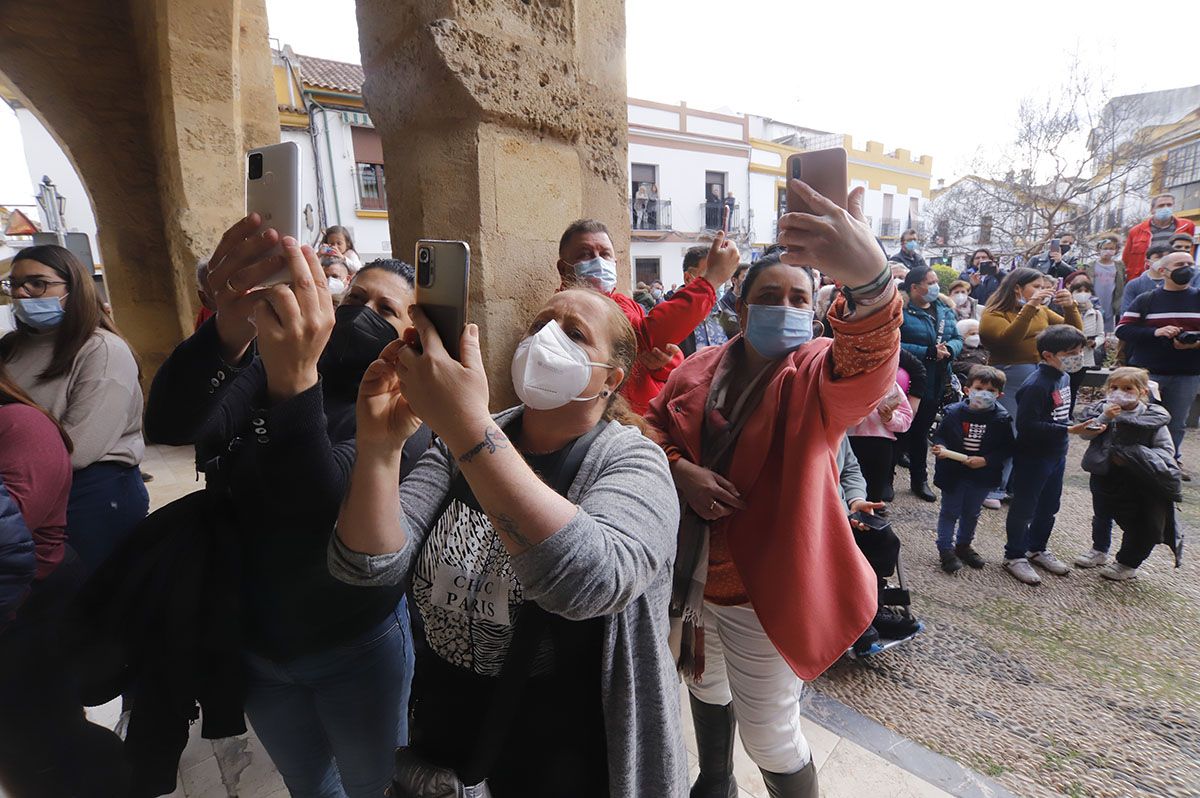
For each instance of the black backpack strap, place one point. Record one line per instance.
(528, 633)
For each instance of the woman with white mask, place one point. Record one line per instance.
(538, 543)
(770, 587)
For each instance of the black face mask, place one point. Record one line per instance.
(1183, 275)
(359, 336)
(1064, 248)
(987, 267)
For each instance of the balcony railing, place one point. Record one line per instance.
(713, 213)
(889, 228)
(650, 214)
(370, 187)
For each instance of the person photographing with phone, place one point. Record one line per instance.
(752, 429)
(538, 542)
(586, 257)
(1161, 330)
(267, 387)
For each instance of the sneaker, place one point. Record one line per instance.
(1185, 475)
(969, 556)
(1048, 562)
(992, 504)
(950, 561)
(893, 625)
(1022, 571)
(1092, 559)
(1118, 572)
(867, 644)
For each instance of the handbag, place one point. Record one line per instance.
(413, 776)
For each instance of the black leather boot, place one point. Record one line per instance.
(801, 784)
(714, 725)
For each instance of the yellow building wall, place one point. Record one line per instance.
(872, 166)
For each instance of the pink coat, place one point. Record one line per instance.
(810, 586)
(873, 426)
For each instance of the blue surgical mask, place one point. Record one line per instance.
(1163, 214)
(603, 272)
(911, 246)
(43, 313)
(775, 330)
(981, 400)
(932, 291)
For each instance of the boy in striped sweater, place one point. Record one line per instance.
(1158, 328)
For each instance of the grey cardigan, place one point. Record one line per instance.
(614, 559)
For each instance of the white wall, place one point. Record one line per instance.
(762, 200)
(714, 127)
(681, 180)
(44, 157)
(653, 117)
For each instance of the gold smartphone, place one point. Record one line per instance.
(825, 171)
(443, 276)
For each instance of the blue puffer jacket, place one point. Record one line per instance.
(17, 560)
(921, 332)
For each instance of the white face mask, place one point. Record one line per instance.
(1125, 400)
(336, 286)
(549, 369)
(972, 341)
(961, 298)
(601, 272)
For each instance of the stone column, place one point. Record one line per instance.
(153, 101)
(501, 124)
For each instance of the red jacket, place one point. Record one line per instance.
(1138, 242)
(36, 469)
(668, 323)
(810, 586)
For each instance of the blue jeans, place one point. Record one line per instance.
(332, 721)
(107, 501)
(1014, 377)
(1178, 391)
(1037, 490)
(960, 504)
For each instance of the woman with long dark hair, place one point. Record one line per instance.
(69, 357)
(1012, 319)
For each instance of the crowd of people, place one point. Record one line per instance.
(402, 589)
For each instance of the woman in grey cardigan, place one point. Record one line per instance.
(483, 537)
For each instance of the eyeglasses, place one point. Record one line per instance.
(34, 286)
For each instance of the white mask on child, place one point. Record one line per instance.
(1126, 400)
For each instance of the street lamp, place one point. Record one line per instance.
(53, 207)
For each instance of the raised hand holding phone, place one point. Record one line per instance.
(836, 240)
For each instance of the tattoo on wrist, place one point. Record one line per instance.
(493, 439)
(508, 526)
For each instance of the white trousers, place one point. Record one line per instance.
(742, 665)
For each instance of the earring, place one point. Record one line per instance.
(605, 393)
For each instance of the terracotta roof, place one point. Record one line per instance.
(335, 75)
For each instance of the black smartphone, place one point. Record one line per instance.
(1188, 337)
(869, 520)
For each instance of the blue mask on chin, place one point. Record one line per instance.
(775, 330)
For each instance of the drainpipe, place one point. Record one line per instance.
(322, 218)
(337, 209)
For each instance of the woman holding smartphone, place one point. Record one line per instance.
(1012, 319)
(67, 354)
(753, 429)
(559, 510)
(267, 387)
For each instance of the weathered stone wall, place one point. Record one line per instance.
(502, 121)
(153, 101)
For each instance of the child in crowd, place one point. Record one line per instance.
(1134, 477)
(1093, 321)
(965, 306)
(1043, 415)
(338, 238)
(982, 430)
(973, 354)
(874, 438)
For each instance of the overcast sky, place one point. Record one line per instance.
(939, 78)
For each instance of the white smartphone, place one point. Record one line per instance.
(273, 192)
(443, 277)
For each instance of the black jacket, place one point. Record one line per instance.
(292, 605)
(909, 260)
(1043, 413)
(995, 446)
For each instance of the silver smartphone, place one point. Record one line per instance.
(443, 277)
(273, 192)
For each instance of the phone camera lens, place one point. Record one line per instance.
(255, 165)
(424, 267)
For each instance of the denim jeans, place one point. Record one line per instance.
(1014, 376)
(1037, 490)
(1178, 391)
(107, 501)
(960, 505)
(331, 721)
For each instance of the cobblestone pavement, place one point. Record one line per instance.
(1078, 687)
